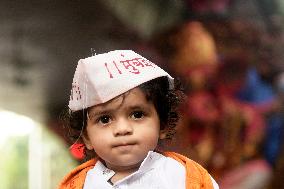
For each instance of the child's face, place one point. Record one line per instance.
(122, 131)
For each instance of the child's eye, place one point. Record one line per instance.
(104, 119)
(137, 114)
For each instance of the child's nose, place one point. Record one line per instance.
(123, 127)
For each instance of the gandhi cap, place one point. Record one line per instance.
(102, 77)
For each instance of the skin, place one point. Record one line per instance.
(123, 131)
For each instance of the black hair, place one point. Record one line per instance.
(165, 100)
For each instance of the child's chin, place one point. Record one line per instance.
(129, 162)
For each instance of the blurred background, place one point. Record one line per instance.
(227, 53)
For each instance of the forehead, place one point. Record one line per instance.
(134, 97)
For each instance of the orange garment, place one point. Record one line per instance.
(196, 176)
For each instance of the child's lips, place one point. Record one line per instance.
(124, 148)
(124, 145)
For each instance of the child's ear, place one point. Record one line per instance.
(163, 134)
(87, 142)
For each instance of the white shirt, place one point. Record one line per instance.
(155, 172)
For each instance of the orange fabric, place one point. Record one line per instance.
(76, 178)
(196, 176)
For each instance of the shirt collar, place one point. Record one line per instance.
(148, 164)
(102, 170)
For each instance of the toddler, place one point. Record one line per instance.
(121, 106)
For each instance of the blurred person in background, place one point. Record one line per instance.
(222, 132)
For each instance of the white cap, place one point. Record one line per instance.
(102, 77)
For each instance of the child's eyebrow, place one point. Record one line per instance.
(139, 106)
(96, 113)
(112, 110)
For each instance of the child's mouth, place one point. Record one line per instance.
(124, 146)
